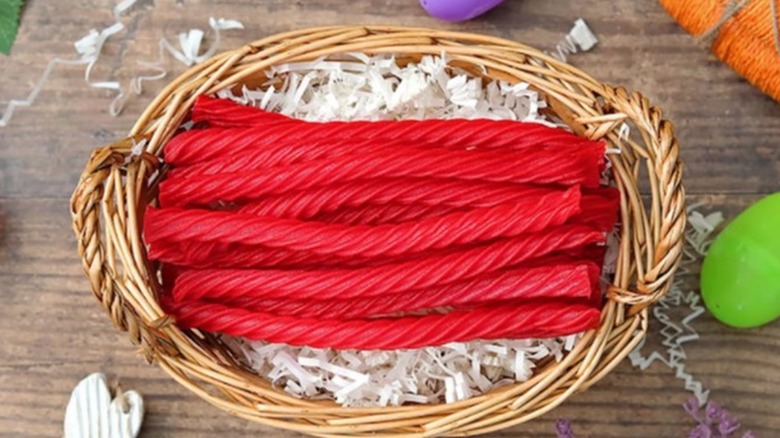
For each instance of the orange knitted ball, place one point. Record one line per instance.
(747, 39)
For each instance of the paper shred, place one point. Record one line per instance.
(569, 342)
(624, 131)
(188, 52)
(90, 47)
(676, 332)
(382, 378)
(30, 99)
(579, 39)
(373, 88)
(583, 36)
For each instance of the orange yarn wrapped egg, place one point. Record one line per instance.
(744, 35)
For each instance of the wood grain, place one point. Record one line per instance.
(52, 333)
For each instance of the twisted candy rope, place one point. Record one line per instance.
(599, 206)
(599, 210)
(529, 321)
(571, 281)
(306, 204)
(285, 152)
(204, 145)
(204, 255)
(222, 112)
(280, 153)
(539, 166)
(194, 254)
(384, 214)
(531, 214)
(322, 284)
(355, 220)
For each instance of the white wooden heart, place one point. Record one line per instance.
(91, 413)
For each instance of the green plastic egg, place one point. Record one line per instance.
(740, 277)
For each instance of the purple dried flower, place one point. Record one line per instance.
(714, 411)
(728, 424)
(563, 427)
(701, 431)
(693, 408)
(716, 422)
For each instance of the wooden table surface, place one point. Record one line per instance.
(52, 332)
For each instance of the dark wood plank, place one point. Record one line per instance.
(53, 333)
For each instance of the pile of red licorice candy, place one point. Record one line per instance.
(379, 234)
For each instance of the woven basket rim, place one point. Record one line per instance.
(108, 203)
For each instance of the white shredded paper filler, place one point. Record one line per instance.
(361, 87)
(579, 39)
(90, 47)
(676, 330)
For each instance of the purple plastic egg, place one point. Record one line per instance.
(458, 10)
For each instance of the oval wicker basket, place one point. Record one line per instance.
(117, 184)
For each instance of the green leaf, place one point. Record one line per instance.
(9, 23)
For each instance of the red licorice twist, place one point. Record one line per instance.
(530, 321)
(226, 113)
(532, 214)
(279, 153)
(306, 204)
(599, 206)
(572, 281)
(210, 255)
(322, 284)
(384, 214)
(222, 112)
(204, 145)
(328, 234)
(202, 255)
(599, 209)
(539, 166)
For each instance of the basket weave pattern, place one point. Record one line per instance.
(117, 184)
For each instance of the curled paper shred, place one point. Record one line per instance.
(674, 335)
(13, 104)
(190, 42)
(677, 332)
(135, 85)
(188, 54)
(448, 373)
(362, 88)
(579, 39)
(90, 47)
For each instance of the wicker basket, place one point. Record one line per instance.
(117, 184)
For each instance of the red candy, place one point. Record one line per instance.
(384, 214)
(573, 280)
(528, 321)
(306, 204)
(192, 147)
(221, 112)
(504, 220)
(538, 166)
(330, 234)
(377, 280)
